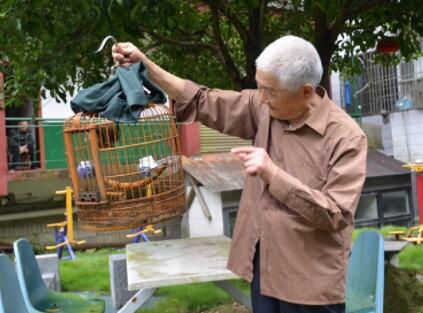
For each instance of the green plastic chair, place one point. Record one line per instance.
(36, 294)
(11, 297)
(365, 280)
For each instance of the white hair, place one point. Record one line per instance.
(294, 61)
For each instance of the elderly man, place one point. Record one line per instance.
(292, 236)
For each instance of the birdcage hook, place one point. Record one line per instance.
(103, 43)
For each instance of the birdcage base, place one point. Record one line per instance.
(130, 214)
(114, 227)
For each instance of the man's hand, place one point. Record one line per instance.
(125, 53)
(256, 161)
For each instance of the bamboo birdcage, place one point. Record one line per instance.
(125, 175)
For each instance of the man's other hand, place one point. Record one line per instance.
(256, 161)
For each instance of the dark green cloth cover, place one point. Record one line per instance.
(121, 98)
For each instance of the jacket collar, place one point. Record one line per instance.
(318, 120)
(318, 116)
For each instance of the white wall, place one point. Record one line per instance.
(336, 87)
(195, 224)
(407, 135)
(53, 109)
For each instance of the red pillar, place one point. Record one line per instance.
(3, 143)
(189, 136)
(419, 183)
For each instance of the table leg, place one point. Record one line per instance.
(235, 293)
(394, 260)
(137, 300)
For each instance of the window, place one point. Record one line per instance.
(406, 70)
(229, 217)
(395, 203)
(230, 202)
(384, 207)
(367, 208)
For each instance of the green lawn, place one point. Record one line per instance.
(90, 272)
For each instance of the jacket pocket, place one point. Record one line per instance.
(312, 174)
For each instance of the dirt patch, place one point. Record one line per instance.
(228, 308)
(403, 291)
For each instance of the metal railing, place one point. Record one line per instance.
(49, 148)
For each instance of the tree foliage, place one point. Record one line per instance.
(50, 43)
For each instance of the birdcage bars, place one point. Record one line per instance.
(125, 175)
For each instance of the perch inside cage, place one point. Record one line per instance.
(125, 175)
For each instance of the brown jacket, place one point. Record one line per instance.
(304, 217)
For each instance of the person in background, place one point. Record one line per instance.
(21, 147)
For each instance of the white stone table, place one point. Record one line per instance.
(155, 264)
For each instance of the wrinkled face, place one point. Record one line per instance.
(283, 104)
(23, 126)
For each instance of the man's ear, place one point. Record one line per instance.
(308, 91)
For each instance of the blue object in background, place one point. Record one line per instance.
(347, 91)
(365, 280)
(406, 103)
(85, 169)
(142, 235)
(60, 236)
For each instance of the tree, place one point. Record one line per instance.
(214, 42)
(49, 44)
